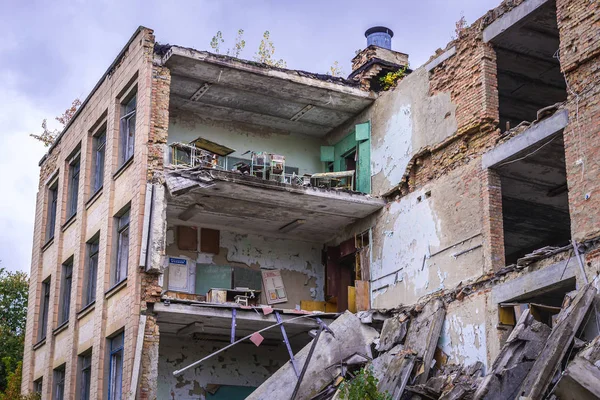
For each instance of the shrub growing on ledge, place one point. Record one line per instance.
(391, 79)
(363, 386)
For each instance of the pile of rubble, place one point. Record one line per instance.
(400, 349)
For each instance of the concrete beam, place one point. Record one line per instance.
(511, 18)
(441, 58)
(526, 140)
(221, 315)
(536, 282)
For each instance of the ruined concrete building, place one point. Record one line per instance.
(195, 199)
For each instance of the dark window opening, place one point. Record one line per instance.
(98, 161)
(51, 217)
(44, 303)
(115, 377)
(127, 129)
(65, 295)
(59, 384)
(122, 259)
(38, 385)
(74, 169)
(535, 203)
(85, 376)
(528, 70)
(91, 273)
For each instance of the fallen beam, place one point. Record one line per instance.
(351, 337)
(538, 379)
(516, 358)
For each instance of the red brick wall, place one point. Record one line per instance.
(579, 25)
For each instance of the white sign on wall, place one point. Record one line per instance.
(273, 286)
(181, 274)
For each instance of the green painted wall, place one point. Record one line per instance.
(362, 132)
(302, 152)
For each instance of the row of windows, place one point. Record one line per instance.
(114, 369)
(118, 274)
(126, 146)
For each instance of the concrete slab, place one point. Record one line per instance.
(511, 18)
(441, 58)
(536, 282)
(521, 144)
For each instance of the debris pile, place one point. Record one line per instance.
(400, 349)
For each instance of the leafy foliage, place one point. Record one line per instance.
(13, 388)
(336, 69)
(459, 27)
(363, 387)
(14, 288)
(391, 79)
(239, 45)
(266, 51)
(48, 136)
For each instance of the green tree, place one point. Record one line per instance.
(48, 136)
(14, 288)
(362, 387)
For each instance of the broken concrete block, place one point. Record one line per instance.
(515, 360)
(392, 333)
(543, 370)
(581, 378)
(351, 337)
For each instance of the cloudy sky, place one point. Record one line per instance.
(55, 51)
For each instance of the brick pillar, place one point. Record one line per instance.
(493, 228)
(579, 60)
(148, 381)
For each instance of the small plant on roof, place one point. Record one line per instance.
(391, 79)
(362, 386)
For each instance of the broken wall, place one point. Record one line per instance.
(428, 240)
(578, 23)
(299, 262)
(244, 365)
(300, 151)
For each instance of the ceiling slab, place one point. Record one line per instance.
(241, 203)
(259, 95)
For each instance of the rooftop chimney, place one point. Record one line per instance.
(377, 59)
(379, 36)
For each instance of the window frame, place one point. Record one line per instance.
(44, 309)
(115, 382)
(58, 382)
(127, 122)
(98, 160)
(38, 385)
(73, 186)
(65, 292)
(121, 262)
(52, 209)
(91, 271)
(85, 375)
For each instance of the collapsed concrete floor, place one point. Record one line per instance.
(400, 348)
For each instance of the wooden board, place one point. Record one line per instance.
(352, 299)
(539, 377)
(309, 305)
(209, 241)
(187, 238)
(362, 296)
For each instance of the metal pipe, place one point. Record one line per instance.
(233, 314)
(305, 366)
(585, 279)
(180, 371)
(287, 344)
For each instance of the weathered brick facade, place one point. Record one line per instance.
(441, 178)
(117, 309)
